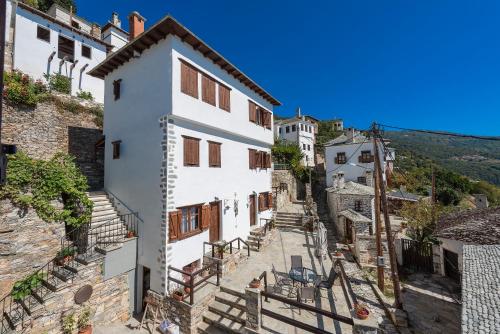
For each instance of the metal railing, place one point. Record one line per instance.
(80, 245)
(191, 284)
(268, 225)
(278, 166)
(221, 247)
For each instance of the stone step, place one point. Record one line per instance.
(228, 312)
(102, 207)
(98, 197)
(104, 218)
(234, 302)
(222, 324)
(103, 212)
(232, 292)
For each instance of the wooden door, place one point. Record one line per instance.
(451, 265)
(252, 210)
(214, 221)
(348, 231)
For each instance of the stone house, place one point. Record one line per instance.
(188, 142)
(456, 230)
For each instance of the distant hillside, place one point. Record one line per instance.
(477, 159)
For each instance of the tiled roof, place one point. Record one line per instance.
(354, 216)
(481, 289)
(478, 226)
(352, 188)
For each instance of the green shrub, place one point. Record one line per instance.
(37, 183)
(85, 95)
(60, 83)
(20, 89)
(24, 287)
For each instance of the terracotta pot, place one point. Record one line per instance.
(254, 284)
(178, 296)
(187, 290)
(338, 253)
(130, 234)
(86, 330)
(362, 313)
(59, 261)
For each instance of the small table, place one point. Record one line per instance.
(302, 275)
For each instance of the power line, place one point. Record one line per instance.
(349, 159)
(442, 133)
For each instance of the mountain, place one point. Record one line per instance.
(475, 158)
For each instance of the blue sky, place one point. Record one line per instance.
(420, 64)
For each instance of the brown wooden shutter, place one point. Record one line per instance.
(252, 112)
(174, 219)
(270, 200)
(258, 159)
(251, 158)
(267, 119)
(189, 80)
(205, 217)
(208, 90)
(224, 98)
(184, 78)
(261, 202)
(191, 151)
(214, 156)
(268, 160)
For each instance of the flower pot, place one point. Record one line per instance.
(59, 261)
(85, 330)
(68, 259)
(362, 312)
(338, 253)
(254, 284)
(178, 296)
(130, 234)
(187, 290)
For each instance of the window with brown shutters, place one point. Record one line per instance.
(340, 158)
(252, 112)
(191, 151)
(258, 159)
(251, 158)
(224, 98)
(214, 159)
(189, 80)
(173, 225)
(270, 199)
(188, 221)
(259, 115)
(261, 202)
(207, 89)
(205, 217)
(265, 201)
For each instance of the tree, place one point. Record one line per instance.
(448, 196)
(289, 153)
(44, 5)
(420, 217)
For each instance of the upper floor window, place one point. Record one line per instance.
(301, 127)
(279, 130)
(86, 51)
(287, 129)
(189, 80)
(259, 115)
(66, 49)
(214, 157)
(340, 158)
(116, 149)
(258, 159)
(43, 33)
(304, 147)
(191, 151)
(366, 157)
(224, 98)
(117, 88)
(358, 205)
(265, 201)
(308, 147)
(294, 128)
(207, 89)
(362, 179)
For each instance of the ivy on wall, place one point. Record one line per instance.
(40, 184)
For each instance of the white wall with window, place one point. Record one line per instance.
(301, 132)
(42, 45)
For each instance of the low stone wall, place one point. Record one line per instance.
(366, 250)
(186, 316)
(229, 261)
(296, 189)
(26, 244)
(109, 301)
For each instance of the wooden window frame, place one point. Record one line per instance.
(40, 28)
(259, 115)
(185, 154)
(287, 129)
(294, 127)
(86, 47)
(251, 158)
(366, 157)
(116, 149)
(214, 162)
(342, 161)
(362, 180)
(191, 232)
(358, 205)
(208, 89)
(221, 98)
(64, 45)
(186, 88)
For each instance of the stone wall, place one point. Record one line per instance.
(366, 250)
(109, 301)
(26, 244)
(229, 261)
(296, 189)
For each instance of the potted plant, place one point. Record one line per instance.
(64, 256)
(130, 234)
(338, 252)
(83, 323)
(361, 311)
(221, 249)
(255, 283)
(178, 295)
(69, 324)
(24, 287)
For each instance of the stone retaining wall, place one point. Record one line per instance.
(26, 244)
(228, 263)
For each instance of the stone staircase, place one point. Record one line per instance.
(227, 314)
(105, 219)
(94, 172)
(285, 220)
(254, 238)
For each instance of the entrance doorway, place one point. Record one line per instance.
(451, 265)
(252, 210)
(215, 221)
(146, 283)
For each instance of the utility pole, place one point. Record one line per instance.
(378, 229)
(388, 231)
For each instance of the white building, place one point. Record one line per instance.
(352, 154)
(300, 130)
(188, 140)
(39, 43)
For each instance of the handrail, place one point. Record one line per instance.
(123, 203)
(264, 276)
(267, 226)
(81, 240)
(191, 285)
(223, 246)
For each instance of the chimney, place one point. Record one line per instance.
(481, 201)
(136, 25)
(115, 20)
(297, 112)
(341, 182)
(95, 30)
(335, 183)
(369, 178)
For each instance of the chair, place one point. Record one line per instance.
(296, 261)
(282, 281)
(325, 284)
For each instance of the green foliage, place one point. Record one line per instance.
(20, 89)
(448, 196)
(85, 95)
(44, 5)
(69, 323)
(75, 108)
(24, 287)
(67, 251)
(326, 133)
(37, 183)
(420, 217)
(32, 3)
(492, 192)
(289, 153)
(84, 318)
(59, 83)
